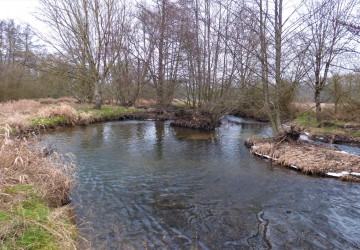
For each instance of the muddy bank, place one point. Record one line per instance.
(308, 158)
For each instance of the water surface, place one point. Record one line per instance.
(145, 185)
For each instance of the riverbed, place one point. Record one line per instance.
(146, 185)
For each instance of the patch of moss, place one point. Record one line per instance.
(48, 121)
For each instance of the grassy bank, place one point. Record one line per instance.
(34, 186)
(28, 115)
(308, 158)
(34, 183)
(330, 130)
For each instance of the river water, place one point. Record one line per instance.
(146, 185)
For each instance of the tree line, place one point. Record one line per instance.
(210, 54)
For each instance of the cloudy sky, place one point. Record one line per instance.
(20, 10)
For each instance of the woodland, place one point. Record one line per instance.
(264, 59)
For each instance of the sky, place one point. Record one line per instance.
(21, 11)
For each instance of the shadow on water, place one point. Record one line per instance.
(145, 185)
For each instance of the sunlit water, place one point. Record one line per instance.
(146, 185)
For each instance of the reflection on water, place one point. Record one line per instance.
(145, 185)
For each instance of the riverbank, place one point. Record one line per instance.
(29, 116)
(34, 193)
(329, 131)
(34, 183)
(308, 158)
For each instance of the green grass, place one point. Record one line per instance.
(330, 129)
(305, 120)
(108, 111)
(308, 121)
(34, 209)
(353, 133)
(26, 222)
(36, 237)
(17, 189)
(4, 217)
(48, 121)
(339, 123)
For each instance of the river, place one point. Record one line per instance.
(146, 185)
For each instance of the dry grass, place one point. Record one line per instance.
(145, 102)
(24, 107)
(26, 115)
(16, 121)
(21, 164)
(63, 110)
(309, 158)
(66, 100)
(310, 106)
(17, 113)
(84, 118)
(347, 112)
(34, 185)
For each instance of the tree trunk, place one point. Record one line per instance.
(265, 70)
(278, 57)
(160, 81)
(318, 106)
(97, 95)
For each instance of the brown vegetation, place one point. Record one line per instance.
(28, 115)
(196, 120)
(21, 164)
(62, 110)
(145, 102)
(23, 107)
(65, 100)
(305, 156)
(34, 189)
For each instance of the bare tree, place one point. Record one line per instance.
(18, 64)
(328, 39)
(85, 34)
(161, 25)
